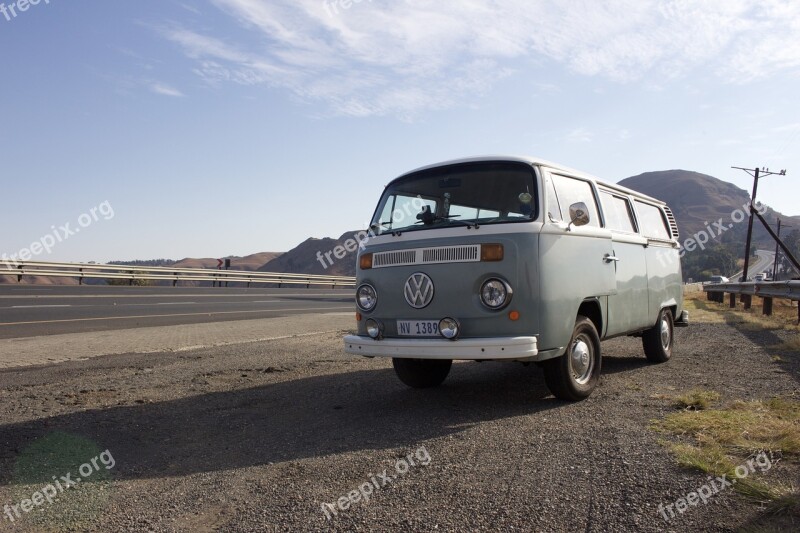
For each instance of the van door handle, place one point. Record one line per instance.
(611, 258)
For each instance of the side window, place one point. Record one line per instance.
(553, 210)
(652, 221)
(571, 191)
(617, 211)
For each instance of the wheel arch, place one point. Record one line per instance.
(591, 309)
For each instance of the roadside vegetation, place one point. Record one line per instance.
(718, 439)
(784, 315)
(716, 435)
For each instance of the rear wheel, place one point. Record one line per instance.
(575, 375)
(658, 340)
(422, 373)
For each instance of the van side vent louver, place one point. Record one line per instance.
(673, 224)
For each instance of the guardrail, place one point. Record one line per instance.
(83, 271)
(767, 290)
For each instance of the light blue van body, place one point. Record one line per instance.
(621, 269)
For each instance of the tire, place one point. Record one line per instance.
(422, 373)
(574, 375)
(658, 340)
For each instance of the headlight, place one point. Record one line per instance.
(366, 297)
(496, 294)
(449, 328)
(374, 328)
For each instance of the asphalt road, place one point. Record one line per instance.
(764, 263)
(29, 311)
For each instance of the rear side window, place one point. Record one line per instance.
(652, 221)
(617, 211)
(571, 191)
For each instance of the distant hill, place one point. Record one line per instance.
(696, 199)
(248, 263)
(699, 199)
(305, 258)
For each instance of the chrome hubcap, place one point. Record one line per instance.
(665, 334)
(581, 361)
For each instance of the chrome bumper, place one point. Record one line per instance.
(683, 321)
(510, 348)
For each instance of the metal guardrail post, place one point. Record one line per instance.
(733, 300)
(768, 306)
(747, 300)
(19, 276)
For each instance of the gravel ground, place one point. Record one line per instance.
(258, 436)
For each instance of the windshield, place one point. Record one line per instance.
(469, 194)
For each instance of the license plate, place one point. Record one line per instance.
(417, 328)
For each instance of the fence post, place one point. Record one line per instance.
(768, 306)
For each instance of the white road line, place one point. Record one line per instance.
(277, 295)
(36, 306)
(322, 309)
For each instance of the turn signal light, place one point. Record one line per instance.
(358, 317)
(492, 252)
(513, 316)
(365, 262)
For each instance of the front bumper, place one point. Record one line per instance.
(503, 348)
(683, 321)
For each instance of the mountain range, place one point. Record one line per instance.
(697, 200)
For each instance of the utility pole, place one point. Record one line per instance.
(777, 251)
(757, 174)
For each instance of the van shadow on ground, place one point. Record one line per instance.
(307, 417)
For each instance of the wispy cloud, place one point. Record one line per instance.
(579, 135)
(404, 57)
(165, 90)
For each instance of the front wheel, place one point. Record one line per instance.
(658, 340)
(422, 373)
(574, 375)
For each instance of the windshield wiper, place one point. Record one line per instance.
(450, 219)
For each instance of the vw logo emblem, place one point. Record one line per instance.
(419, 291)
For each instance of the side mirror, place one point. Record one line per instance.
(579, 215)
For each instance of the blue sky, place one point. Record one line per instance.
(223, 127)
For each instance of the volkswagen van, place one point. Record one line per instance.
(515, 259)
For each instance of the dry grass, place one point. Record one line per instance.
(791, 345)
(716, 441)
(784, 313)
(697, 399)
